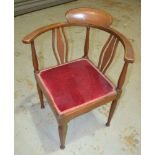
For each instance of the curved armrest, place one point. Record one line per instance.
(129, 52)
(30, 37)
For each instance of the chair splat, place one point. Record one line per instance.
(107, 53)
(66, 43)
(60, 45)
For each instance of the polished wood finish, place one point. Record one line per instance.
(59, 37)
(89, 16)
(86, 46)
(102, 51)
(34, 57)
(53, 47)
(92, 19)
(107, 53)
(122, 76)
(60, 45)
(66, 43)
(62, 134)
(112, 109)
(30, 37)
(128, 50)
(119, 91)
(40, 96)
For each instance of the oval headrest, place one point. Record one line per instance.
(89, 16)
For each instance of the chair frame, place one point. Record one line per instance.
(65, 117)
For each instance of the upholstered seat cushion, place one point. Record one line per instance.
(75, 84)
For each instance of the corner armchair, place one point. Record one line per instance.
(76, 87)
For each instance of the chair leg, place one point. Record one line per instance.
(40, 96)
(62, 134)
(112, 109)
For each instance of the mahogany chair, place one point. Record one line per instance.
(77, 87)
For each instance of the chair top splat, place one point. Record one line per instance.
(89, 16)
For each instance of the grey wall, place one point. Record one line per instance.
(26, 6)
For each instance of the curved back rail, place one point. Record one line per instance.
(128, 50)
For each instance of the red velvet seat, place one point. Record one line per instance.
(75, 84)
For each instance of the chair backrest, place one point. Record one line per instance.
(89, 18)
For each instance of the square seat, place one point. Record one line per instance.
(75, 84)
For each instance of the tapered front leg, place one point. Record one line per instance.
(62, 134)
(112, 109)
(40, 96)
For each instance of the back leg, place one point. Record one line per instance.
(112, 109)
(62, 134)
(40, 96)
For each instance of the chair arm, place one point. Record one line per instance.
(129, 53)
(30, 37)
